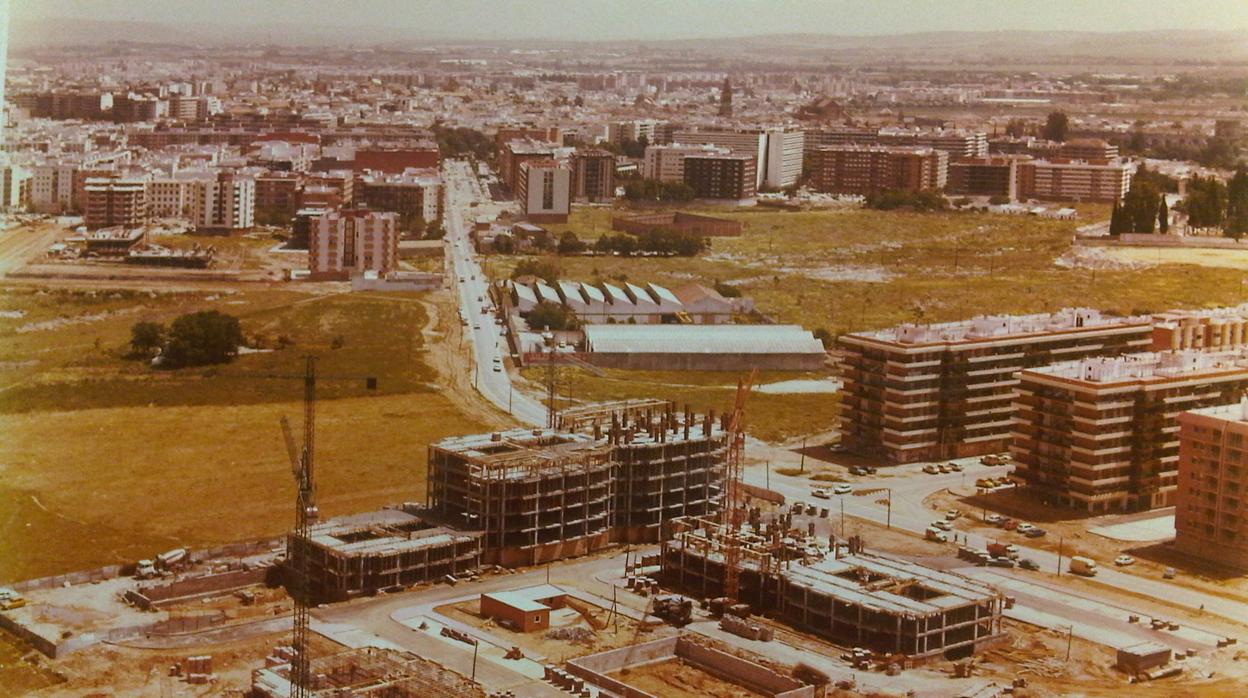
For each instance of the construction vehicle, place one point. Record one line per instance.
(676, 610)
(1083, 566)
(1003, 550)
(146, 569)
(10, 599)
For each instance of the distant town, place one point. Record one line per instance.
(758, 367)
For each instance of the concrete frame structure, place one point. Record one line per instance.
(1210, 520)
(666, 163)
(368, 672)
(923, 392)
(365, 553)
(593, 176)
(1218, 329)
(988, 176)
(864, 600)
(1102, 434)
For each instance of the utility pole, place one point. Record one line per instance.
(888, 521)
(1070, 635)
(842, 516)
(1060, 541)
(803, 466)
(476, 644)
(767, 475)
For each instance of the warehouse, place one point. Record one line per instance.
(704, 347)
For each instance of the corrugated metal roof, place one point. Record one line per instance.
(702, 339)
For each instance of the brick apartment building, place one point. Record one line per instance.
(1102, 434)
(397, 160)
(724, 177)
(350, 243)
(1210, 518)
(988, 176)
(515, 153)
(414, 194)
(924, 392)
(858, 169)
(593, 176)
(1073, 180)
(115, 201)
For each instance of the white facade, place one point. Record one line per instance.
(177, 197)
(12, 177)
(546, 190)
(354, 243)
(227, 202)
(784, 158)
(52, 188)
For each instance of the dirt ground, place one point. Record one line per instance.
(450, 357)
(620, 631)
(1069, 530)
(1226, 259)
(676, 679)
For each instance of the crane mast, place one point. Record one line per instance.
(733, 499)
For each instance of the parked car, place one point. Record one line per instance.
(858, 470)
(986, 483)
(1000, 562)
(1124, 560)
(943, 468)
(942, 525)
(952, 514)
(1023, 527)
(933, 533)
(1009, 524)
(955, 467)
(992, 459)
(1034, 532)
(1168, 573)
(820, 493)
(842, 489)
(994, 519)
(1028, 564)
(931, 469)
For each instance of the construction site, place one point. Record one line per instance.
(367, 672)
(842, 594)
(388, 549)
(611, 473)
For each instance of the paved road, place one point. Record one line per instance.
(910, 486)
(489, 347)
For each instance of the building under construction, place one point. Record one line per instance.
(859, 599)
(389, 549)
(612, 473)
(368, 672)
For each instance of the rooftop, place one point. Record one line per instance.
(705, 339)
(381, 532)
(994, 327)
(1147, 367)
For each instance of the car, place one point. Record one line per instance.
(820, 493)
(994, 519)
(982, 557)
(1035, 532)
(952, 514)
(943, 468)
(994, 459)
(498, 368)
(480, 298)
(1028, 564)
(1124, 560)
(942, 525)
(476, 325)
(842, 489)
(1168, 573)
(871, 469)
(462, 280)
(859, 470)
(1023, 527)
(1000, 562)
(931, 469)
(954, 467)
(986, 483)
(1009, 524)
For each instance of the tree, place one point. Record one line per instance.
(727, 290)
(1016, 128)
(1116, 221)
(205, 337)
(552, 316)
(1206, 202)
(823, 335)
(435, 232)
(569, 243)
(547, 271)
(1237, 204)
(1163, 216)
(1056, 126)
(146, 338)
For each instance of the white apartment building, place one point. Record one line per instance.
(784, 157)
(778, 151)
(545, 191)
(52, 187)
(620, 131)
(666, 163)
(227, 203)
(178, 196)
(12, 180)
(343, 244)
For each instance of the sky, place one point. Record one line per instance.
(660, 19)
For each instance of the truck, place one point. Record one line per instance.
(936, 534)
(1083, 566)
(1003, 550)
(10, 599)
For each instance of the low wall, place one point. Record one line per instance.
(594, 668)
(1144, 240)
(410, 282)
(55, 649)
(761, 493)
(195, 586)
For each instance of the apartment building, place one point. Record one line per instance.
(957, 143)
(544, 191)
(227, 203)
(666, 163)
(925, 392)
(593, 176)
(1210, 516)
(1073, 180)
(413, 194)
(1217, 329)
(352, 242)
(14, 187)
(515, 153)
(722, 177)
(1101, 434)
(52, 187)
(859, 169)
(777, 152)
(177, 196)
(116, 201)
(277, 196)
(785, 148)
(1089, 149)
(620, 132)
(987, 176)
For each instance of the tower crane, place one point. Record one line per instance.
(306, 514)
(733, 499)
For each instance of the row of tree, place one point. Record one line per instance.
(655, 190)
(670, 243)
(1209, 203)
(1143, 209)
(927, 200)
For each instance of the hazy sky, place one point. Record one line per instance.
(648, 19)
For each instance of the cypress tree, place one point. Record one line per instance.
(1115, 221)
(1163, 216)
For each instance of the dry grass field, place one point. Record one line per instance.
(104, 459)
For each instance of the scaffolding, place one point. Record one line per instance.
(854, 599)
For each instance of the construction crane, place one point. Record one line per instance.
(306, 514)
(733, 499)
(553, 359)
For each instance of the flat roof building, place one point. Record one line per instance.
(1210, 516)
(544, 190)
(856, 169)
(722, 177)
(1073, 180)
(1102, 434)
(704, 347)
(116, 201)
(925, 392)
